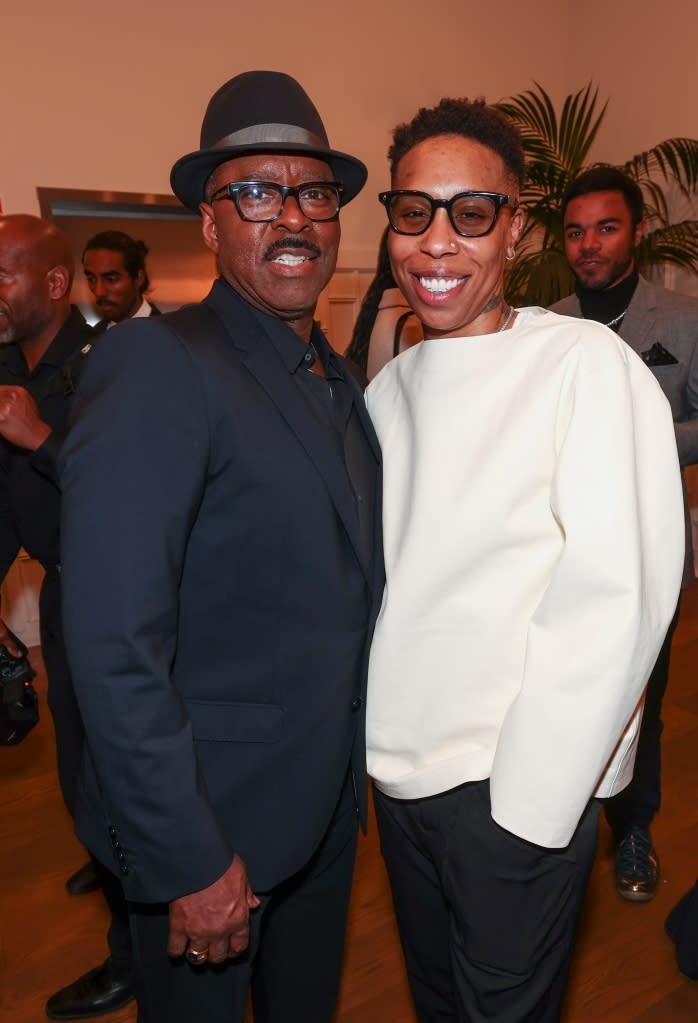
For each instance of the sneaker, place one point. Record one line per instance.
(637, 866)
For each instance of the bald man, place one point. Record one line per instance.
(44, 342)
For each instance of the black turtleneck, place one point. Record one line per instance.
(607, 305)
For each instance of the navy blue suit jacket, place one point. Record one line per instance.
(218, 604)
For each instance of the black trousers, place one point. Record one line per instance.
(639, 802)
(70, 738)
(682, 927)
(487, 921)
(293, 963)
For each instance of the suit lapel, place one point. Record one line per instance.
(263, 362)
(638, 328)
(639, 323)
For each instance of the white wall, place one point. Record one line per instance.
(643, 56)
(107, 96)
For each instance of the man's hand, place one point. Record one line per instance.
(7, 641)
(20, 422)
(216, 919)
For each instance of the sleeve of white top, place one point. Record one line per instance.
(593, 639)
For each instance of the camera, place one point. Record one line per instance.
(19, 703)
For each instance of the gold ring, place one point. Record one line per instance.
(197, 957)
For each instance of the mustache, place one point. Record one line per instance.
(284, 244)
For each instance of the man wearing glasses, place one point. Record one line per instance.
(218, 617)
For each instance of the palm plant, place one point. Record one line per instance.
(556, 151)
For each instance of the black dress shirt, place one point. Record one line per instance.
(331, 400)
(29, 495)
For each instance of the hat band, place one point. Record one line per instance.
(267, 134)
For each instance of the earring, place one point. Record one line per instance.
(511, 252)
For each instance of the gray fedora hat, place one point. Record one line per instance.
(263, 112)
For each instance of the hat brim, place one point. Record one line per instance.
(191, 172)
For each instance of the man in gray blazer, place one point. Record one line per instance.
(603, 213)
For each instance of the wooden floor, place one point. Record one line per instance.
(624, 971)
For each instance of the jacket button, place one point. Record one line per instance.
(356, 703)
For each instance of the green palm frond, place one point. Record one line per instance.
(558, 145)
(676, 244)
(579, 125)
(557, 149)
(539, 278)
(675, 160)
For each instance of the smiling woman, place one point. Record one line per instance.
(451, 233)
(490, 715)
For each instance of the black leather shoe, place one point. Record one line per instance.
(637, 866)
(83, 880)
(94, 994)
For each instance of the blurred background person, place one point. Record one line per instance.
(386, 324)
(114, 266)
(44, 342)
(604, 220)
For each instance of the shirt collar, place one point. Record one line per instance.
(144, 309)
(609, 303)
(292, 349)
(60, 349)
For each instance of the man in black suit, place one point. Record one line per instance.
(222, 574)
(44, 347)
(114, 266)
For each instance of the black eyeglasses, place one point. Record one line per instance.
(472, 214)
(262, 201)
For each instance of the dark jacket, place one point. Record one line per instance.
(217, 602)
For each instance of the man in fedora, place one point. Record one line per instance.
(222, 573)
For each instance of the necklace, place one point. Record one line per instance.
(507, 319)
(611, 323)
(614, 322)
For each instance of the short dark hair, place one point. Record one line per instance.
(132, 250)
(604, 177)
(472, 119)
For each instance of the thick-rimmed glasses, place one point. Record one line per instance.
(262, 201)
(472, 214)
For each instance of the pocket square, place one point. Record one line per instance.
(658, 355)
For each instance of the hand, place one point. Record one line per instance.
(20, 422)
(215, 919)
(7, 641)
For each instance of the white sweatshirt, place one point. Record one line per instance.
(533, 532)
